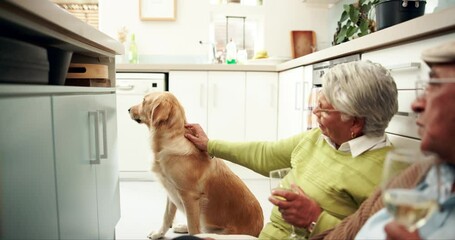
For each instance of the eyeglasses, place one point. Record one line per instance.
(318, 109)
(424, 86)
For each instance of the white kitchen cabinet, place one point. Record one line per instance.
(28, 197)
(85, 136)
(404, 62)
(293, 101)
(261, 106)
(226, 106)
(237, 105)
(233, 106)
(190, 88)
(50, 188)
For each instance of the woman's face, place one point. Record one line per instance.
(330, 123)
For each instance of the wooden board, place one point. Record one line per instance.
(302, 43)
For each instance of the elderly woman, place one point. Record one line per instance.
(337, 165)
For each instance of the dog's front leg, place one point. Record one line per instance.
(168, 218)
(192, 212)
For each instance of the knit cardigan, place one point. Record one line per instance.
(351, 225)
(336, 180)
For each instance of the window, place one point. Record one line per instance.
(242, 30)
(87, 12)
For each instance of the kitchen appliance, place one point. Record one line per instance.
(135, 155)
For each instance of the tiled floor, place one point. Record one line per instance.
(143, 203)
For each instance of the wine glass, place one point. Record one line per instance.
(282, 179)
(409, 207)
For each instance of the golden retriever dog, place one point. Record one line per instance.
(212, 197)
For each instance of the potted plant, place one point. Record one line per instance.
(355, 21)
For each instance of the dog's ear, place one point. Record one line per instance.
(161, 110)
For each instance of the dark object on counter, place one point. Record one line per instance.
(391, 12)
(59, 61)
(88, 75)
(22, 62)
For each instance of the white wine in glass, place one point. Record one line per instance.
(276, 182)
(409, 207)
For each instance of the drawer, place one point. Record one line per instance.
(405, 99)
(403, 123)
(403, 142)
(404, 126)
(404, 60)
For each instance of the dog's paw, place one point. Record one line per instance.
(155, 235)
(180, 228)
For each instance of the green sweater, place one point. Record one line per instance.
(336, 180)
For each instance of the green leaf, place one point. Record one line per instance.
(344, 16)
(363, 26)
(347, 7)
(341, 35)
(354, 15)
(351, 31)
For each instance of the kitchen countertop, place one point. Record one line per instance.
(44, 23)
(428, 25)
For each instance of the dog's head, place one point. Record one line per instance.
(159, 109)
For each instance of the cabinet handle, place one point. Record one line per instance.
(125, 87)
(305, 101)
(103, 113)
(404, 66)
(201, 95)
(296, 97)
(96, 160)
(215, 94)
(272, 95)
(406, 114)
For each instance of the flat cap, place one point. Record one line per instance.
(444, 53)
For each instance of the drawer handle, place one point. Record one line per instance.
(403, 66)
(125, 87)
(96, 143)
(406, 114)
(103, 114)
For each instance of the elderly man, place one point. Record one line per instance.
(436, 122)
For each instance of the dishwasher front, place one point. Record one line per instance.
(135, 155)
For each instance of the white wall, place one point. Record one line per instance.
(178, 41)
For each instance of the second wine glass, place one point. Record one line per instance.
(409, 207)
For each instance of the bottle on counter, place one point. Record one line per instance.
(132, 51)
(231, 53)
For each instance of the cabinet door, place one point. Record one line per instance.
(261, 106)
(226, 108)
(85, 129)
(76, 175)
(290, 102)
(190, 88)
(107, 172)
(28, 200)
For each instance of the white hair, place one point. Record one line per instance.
(362, 89)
